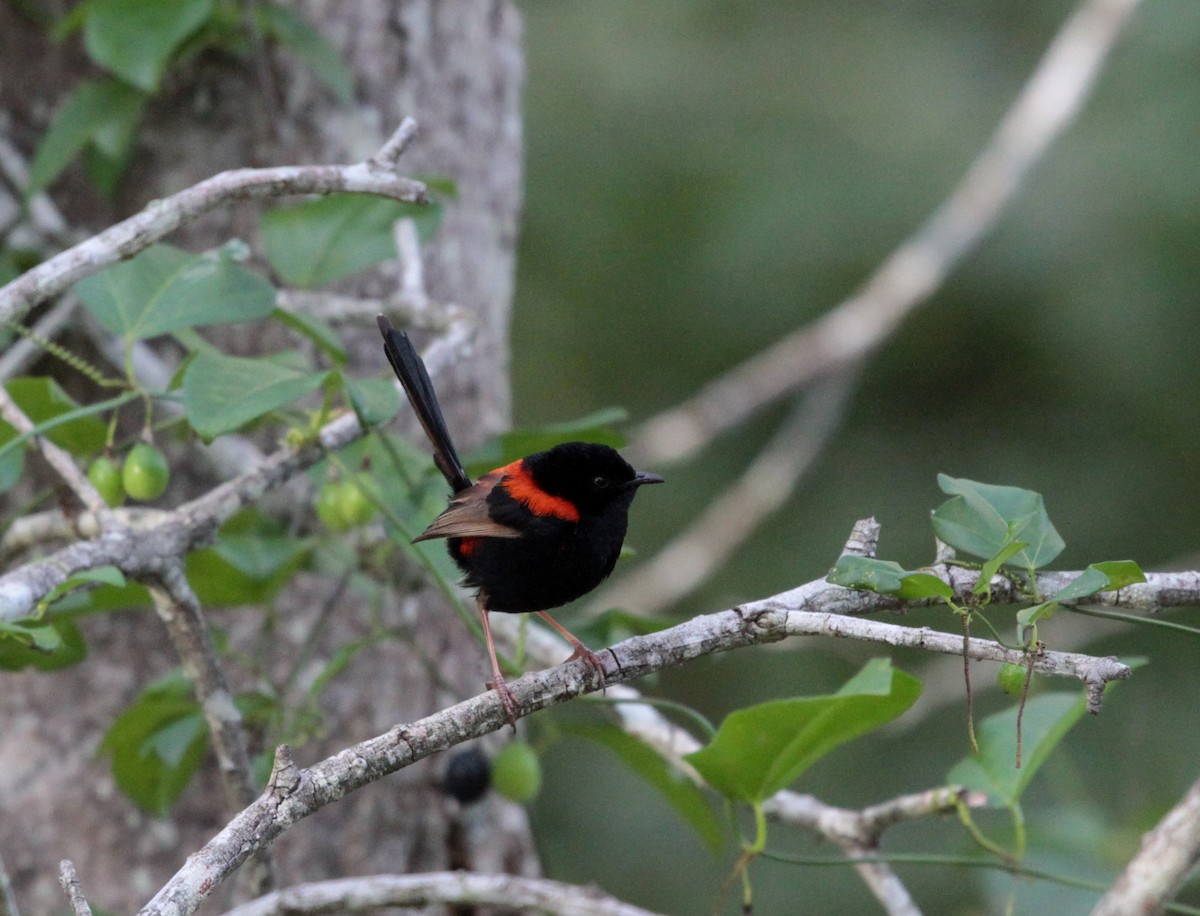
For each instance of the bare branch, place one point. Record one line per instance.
(160, 217)
(43, 527)
(858, 832)
(527, 895)
(389, 154)
(802, 611)
(1167, 856)
(335, 308)
(1049, 101)
(180, 611)
(70, 883)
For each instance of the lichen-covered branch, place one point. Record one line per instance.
(295, 792)
(161, 217)
(181, 614)
(510, 892)
(1167, 856)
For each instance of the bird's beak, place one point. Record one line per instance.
(644, 477)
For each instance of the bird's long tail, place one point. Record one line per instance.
(410, 369)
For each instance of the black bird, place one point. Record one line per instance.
(532, 535)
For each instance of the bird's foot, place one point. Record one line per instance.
(507, 700)
(591, 659)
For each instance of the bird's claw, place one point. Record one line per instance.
(592, 660)
(507, 700)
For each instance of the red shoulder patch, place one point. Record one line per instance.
(519, 484)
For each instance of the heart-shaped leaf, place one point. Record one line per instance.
(886, 577)
(165, 289)
(762, 749)
(222, 393)
(984, 519)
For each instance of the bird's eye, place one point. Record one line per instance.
(600, 483)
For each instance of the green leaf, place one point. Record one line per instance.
(291, 30)
(374, 400)
(1098, 577)
(1031, 616)
(101, 575)
(1117, 574)
(762, 749)
(136, 38)
(517, 443)
(886, 578)
(57, 426)
(43, 400)
(101, 599)
(327, 239)
(39, 637)
(244, 568)
(156, 744)
(103, 171)
(681, 792)
(12, 458)
(104, 113)
(993, 769)
(983, 519)
(222, 393)
(165, 289)
(1120, 573)
(47, 647)
(992, 566)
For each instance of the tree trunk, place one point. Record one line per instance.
(456, 66)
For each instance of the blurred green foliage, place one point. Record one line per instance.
(704, 176)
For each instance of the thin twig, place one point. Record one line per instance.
(181, 613)
(70, 883)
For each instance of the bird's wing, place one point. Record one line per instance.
(468, 516)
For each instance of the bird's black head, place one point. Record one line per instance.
(593, 477)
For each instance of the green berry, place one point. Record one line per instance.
(343, 505)
(1011, 679)
(329, 508)
(356, 506)
(106, 478)
(145, 474)
(517, 773)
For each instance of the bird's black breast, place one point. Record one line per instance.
(553, 563)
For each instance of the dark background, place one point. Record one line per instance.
(703, 177)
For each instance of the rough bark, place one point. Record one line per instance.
(454, 65)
